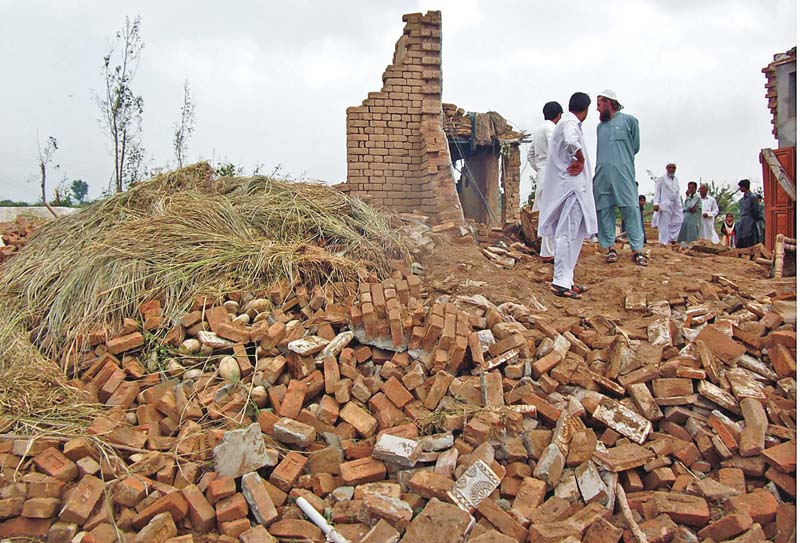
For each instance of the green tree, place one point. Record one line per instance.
(45, 157)
(79, 189)
(228, 169)
(184, 128)
(120, 108)
(725, 197)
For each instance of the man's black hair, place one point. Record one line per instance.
(693, 183)
(579, 102)
(642, 196)
(552, 110)
(745, 183)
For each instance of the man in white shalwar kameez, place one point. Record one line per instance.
(667, 208)
(567, 209)
(710, 211)
(537, 158)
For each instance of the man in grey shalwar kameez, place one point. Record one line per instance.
(692, 213)
(615, 177)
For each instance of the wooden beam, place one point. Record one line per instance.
(779, 173)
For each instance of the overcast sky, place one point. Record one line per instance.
(273, 79)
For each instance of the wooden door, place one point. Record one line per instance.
(779, 209)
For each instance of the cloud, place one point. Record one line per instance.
(273, 80)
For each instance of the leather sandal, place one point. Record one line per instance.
(562, 292)
(639, 259)
(612, 256)
(579, 289)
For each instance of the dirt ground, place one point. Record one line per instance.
(454, 269)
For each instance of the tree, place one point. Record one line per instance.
(45, 157)
(725, 197)
(79, 189)
(185, 127)
(120, 108)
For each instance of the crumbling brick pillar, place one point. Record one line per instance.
(510, 176)
(397, 151)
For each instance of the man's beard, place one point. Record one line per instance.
(605, 115)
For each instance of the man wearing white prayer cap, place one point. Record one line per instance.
(667, 208)
(615, 177)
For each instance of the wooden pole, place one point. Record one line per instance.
(622, 501)
(779, 250)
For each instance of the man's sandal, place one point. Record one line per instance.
(579, 289)
(564, 292)
(611, 256)
(639, 259)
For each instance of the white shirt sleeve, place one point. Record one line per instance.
(572, 137)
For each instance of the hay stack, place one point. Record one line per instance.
(183, 234)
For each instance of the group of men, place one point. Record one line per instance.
(574, 206)
(693, 218)
(687, 220)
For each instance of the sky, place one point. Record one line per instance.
(272, 79)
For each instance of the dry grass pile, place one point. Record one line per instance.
(183, 234)
(33, 395)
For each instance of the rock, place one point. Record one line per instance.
(242, 451)
(229, 369)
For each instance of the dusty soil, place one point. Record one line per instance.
(452, 267)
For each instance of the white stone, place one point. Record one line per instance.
(336, 345)
(308, 346)
(550, 465)
(229, 369)
(397, 450)
(190, 346)
(623, 420)
(242, 451)
(213, 341)
(294, 432)
(589, 481)
(436, 442)
(567, 487)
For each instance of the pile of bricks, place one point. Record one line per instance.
(15, 235)
(402, 418)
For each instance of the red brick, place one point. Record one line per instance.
(727, 527)
(173, 503)
(158, 530)
(21, 527)
(286, 473)
(782, 360)
(501, 520)
(396, 392)
(82, 500)
(295, 529)
(231, 508)
(783, 456)
(363, 470)
(52, 462)
(41, 507)
(760, 505)
(219, 488)
(258, 499)
(125, 343)
(682, 508)
(201, 513)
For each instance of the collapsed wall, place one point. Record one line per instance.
(397, 152)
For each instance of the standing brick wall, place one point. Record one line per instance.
(397, 152)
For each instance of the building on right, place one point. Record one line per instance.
(779, 166)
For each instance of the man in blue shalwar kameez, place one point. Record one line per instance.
(615, 177)
(749, 215)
